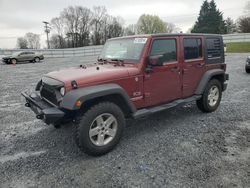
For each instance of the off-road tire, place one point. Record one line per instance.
(83, 126)
(247, 70)
(57, 125)
(203, 103)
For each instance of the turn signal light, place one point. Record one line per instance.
(78, 104)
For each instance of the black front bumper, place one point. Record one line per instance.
(6, 60)
(43, 110)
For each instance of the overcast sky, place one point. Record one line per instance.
(18, 17)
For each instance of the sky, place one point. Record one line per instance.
(18, 17)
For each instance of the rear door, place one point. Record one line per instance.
(22, 56)
(163, 84)
(30, 56)
(193, 64)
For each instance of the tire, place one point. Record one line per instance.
(95, 135)
(36, 59)
(247, 70)
(214, 91)
(57, 125)
(13, 61)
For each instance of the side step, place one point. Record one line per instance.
(147, 111)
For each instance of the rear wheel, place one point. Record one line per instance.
(99, 130)
(211, 97)
(37, 59)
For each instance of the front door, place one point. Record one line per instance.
(23, 56)
(193, 66)
(163, 84)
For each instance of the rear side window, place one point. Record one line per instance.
(213, 48)
(166, 48)
(192, 48)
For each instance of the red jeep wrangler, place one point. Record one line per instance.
(134, 77)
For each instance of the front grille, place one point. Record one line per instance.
(49, 94)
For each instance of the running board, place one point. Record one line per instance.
(147, 111)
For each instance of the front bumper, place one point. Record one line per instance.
(6, 60)
(43, 110)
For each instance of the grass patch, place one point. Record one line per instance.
(238, 47)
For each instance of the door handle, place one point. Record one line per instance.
(200, 65)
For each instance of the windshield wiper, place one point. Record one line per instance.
(101, 60)
(116, 59)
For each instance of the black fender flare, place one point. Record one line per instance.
(92, 92)
(206, 78)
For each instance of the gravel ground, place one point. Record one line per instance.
(181, 147)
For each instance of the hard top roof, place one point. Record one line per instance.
(167, 35)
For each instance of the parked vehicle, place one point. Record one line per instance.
(23, 56)
(247, 66)
(134, 77)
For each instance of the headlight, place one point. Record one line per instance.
(62, 91)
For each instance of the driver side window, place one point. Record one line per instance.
(165, 48)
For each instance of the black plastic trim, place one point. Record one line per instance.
(206, 77)
(42, 109)
(92, 92)
(147, 111)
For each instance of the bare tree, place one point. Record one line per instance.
(114, 27)
(71, 20)
(58, 27)
(99, 25)
(244, 24)
(130, 30)
(33, 40)
(79, 26)
(22, 43)
(84, 25)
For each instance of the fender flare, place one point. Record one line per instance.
(206, 78)
(92, 92)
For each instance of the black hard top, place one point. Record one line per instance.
(169, 35)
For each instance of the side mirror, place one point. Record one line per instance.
(155, 60)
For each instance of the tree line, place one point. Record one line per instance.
(80, 26)
(210, 20)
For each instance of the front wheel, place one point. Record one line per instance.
(211, 97)
(13, 61)
(99, 130)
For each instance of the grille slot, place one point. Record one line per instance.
(49, 94)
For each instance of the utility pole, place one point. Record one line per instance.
(47, 31)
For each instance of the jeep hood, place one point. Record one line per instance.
(93, 74)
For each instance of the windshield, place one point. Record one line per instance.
(16, 53)
(123, 49)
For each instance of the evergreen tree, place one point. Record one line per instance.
(210, 20)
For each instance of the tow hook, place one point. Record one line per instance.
(39, 116)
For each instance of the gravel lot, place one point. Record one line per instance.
(181, 147)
